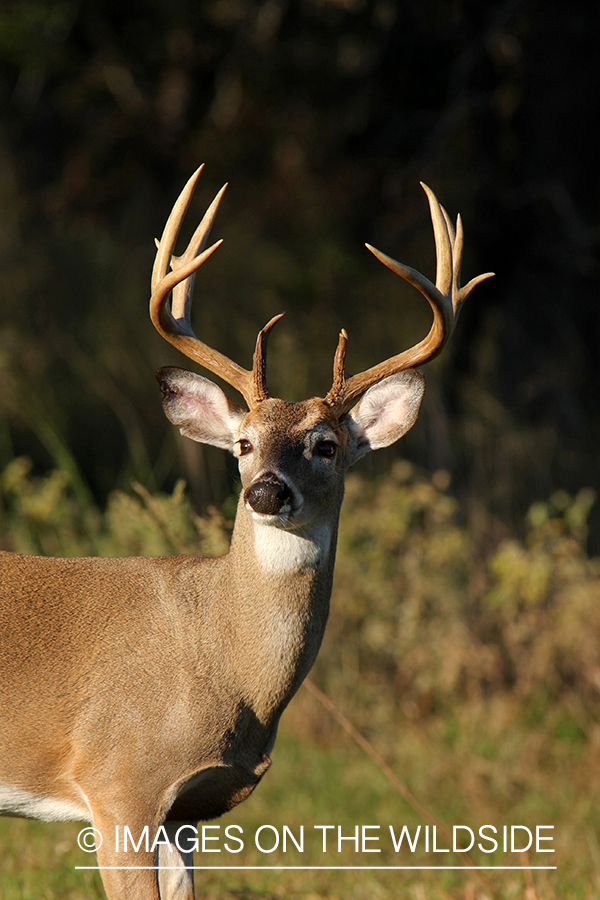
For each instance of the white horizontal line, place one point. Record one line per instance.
(329, 868)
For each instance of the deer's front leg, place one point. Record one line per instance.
(127, 874)
(175, 872)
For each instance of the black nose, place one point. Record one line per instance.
(268, 495)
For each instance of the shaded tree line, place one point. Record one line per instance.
(323, 115)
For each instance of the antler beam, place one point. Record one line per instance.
(174, 323)
(445, 298)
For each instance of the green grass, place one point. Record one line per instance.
(312, 784)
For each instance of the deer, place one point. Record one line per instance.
(147, 691)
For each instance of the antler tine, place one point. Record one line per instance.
(174, 324)
(339, 362)
(181, 302)
(445, 298)
(444, 237)
(171, 230)
(259, 362)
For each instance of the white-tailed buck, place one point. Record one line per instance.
(147, 691)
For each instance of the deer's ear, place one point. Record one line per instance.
(386, 412)
(202, 410)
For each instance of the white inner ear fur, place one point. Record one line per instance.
(203, 411)
(387, 411)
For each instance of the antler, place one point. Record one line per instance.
(174, 323)
(445, 298)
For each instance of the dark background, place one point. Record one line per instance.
(323, 115)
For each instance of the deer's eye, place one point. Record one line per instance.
(326, 449)
(245, 447)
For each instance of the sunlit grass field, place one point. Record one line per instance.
(310, 784)
(471, 667)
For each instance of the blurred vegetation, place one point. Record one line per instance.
(324, 115)
(475, 674)
(42, 515)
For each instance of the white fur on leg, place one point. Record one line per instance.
(175, 873)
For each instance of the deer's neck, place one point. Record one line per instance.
(282, 581)
(270, 555)
(287, 553)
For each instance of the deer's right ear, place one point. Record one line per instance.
(201, 410)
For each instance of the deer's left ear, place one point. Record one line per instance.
(386, 412)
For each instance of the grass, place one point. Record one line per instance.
(336, 785)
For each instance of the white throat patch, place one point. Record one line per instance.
(281, 552)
